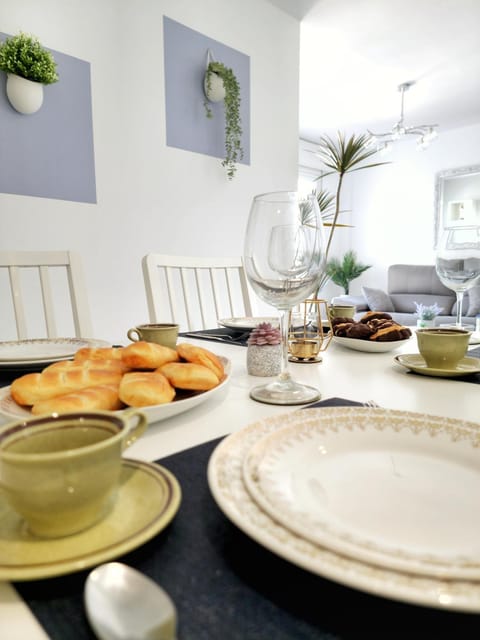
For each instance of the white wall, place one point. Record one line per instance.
(394, 204)
(152, 197)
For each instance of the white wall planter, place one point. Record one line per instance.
(24, 95)
(216, 91)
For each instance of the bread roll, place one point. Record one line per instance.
(33, 387)
(145, 388)
(98, 353)
(67, 365)
(101, 398)
(188, 375)
(201, 356)
(147, 355)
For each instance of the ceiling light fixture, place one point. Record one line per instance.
(425, 132)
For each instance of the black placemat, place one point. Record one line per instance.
(228, 587)
(222, 334)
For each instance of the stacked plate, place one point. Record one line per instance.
(380, 500)
(37, 353)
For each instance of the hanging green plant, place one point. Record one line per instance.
(24, 56)
(233, 122)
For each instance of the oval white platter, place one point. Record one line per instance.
(154, 413)
(225, 477)
(369, 346)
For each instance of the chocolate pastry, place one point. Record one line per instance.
(359, 330)
(389, 334)
(375, 315)
(341, 329)
(339, 320)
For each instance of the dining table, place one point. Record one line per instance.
(225, 583)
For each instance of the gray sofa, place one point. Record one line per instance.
(410, 283)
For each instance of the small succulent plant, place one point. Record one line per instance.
(264, 334)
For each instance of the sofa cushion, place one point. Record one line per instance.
(415, 278)
(377, 299)
(474, 301)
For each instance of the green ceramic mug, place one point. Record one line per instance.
(61, 472)
(342, 310)
(442, 348)
(165, 334)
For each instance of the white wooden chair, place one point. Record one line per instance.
(195, 292)
(45, 288)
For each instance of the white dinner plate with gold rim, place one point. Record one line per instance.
(27, 557)
(397, 490)
(225, 477)
(184, 401)
(369, 346)
(15, 353)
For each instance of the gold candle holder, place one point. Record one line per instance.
(306, 334)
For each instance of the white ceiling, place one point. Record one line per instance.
(355, 53)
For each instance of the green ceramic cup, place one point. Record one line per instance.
(342, 311)
(442, 348)
(61, 472)
(165, 334)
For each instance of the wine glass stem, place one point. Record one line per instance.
(459, 308)
(284, 374)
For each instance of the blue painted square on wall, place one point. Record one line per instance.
(50, 153)
(185, 60)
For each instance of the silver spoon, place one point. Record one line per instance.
(124, 604)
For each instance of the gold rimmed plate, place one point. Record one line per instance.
(415, 362)
(148, 498)
(16, 353)
(226, 481)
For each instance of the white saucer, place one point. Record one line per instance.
(415, 362)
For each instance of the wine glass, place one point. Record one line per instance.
(458, 261)
(284, 261)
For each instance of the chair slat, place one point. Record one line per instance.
(203, 288)
(42, 263)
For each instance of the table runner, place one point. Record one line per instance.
(228, 587)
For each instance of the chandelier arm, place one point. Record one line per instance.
(399, 129)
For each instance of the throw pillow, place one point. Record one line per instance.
(377, 299)
(474, 301)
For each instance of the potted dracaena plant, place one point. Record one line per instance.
(340, 156)
(216, 75)
(28, 67)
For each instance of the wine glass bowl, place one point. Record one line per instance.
(457, 261)
(284, 261)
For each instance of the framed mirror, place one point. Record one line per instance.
(457, 198)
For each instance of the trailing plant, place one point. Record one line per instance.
(340, 156)
(233, 122)
(342, 272)
(24, 56)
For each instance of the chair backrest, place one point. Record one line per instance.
(49, 281)
(195, 292)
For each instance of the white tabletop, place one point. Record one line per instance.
(342, 373)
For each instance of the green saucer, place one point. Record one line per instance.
(416, 363)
